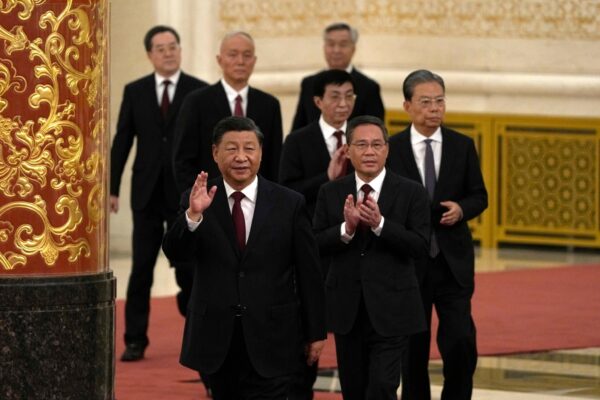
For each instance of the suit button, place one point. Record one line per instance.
(241, 274)
(362, 254)
(164, 139)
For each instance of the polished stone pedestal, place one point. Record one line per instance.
(57, 337)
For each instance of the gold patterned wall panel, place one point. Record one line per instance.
(53, 139)
(520, 19)
(548, 181)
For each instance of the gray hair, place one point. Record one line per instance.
(417, 77)
(342, 26)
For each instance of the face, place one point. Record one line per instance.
(339, 49)
(337, 103)
(165, 54)
(368, 151)
(237, 60)
(238, 157)
(427, 107)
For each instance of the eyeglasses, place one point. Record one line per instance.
(427, 102)
(363, 146)
(337, 98)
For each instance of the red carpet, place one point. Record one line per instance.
(515, 312)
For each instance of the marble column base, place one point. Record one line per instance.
(57, 337)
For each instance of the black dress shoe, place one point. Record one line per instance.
(133, 352)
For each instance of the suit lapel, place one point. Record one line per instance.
(408, 157)
(149, 96)
(252, 108)
(262, 208)
(180, 92)
(220, 207)
(220, 100)
(389, 192)
(448, 158)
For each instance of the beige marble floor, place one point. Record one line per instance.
(556, 375)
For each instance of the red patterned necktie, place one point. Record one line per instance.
(238, 111)
(165, 102)
(238, 219)
(338, 136)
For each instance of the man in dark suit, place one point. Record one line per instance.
(258, 292)
(203, 108)
(373, 224)
(446, 162)
(339, 46)
(312, 156)
(148, 113)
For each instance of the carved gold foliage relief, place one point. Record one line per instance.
(543, 19)
(51, 164)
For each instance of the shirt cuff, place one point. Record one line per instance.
(192, 225)
(344, 237)
(379, 228)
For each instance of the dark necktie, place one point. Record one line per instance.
(338, 136)
(238, 219)
(430, 180)
(366, 189)
(238, 111)
(165, 102)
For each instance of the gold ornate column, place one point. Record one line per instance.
(56, 292)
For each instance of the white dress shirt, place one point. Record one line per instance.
(248, 204)
(328, 134)
(376, 185)
(160, 88)
(417, 141)
(231, 94)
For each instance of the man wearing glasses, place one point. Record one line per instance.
(373, 224)
(446, 163)
(314, 155)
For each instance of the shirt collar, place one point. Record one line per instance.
(375, 184)
(231, 93)
(249, 191)
(159, 79)
(417, 137)
(329, 130)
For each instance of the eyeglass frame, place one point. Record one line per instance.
(362, 146)
(427, 102)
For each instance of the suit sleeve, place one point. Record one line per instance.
(122, 142)
(326, 229)
(292, 172)
(178, 242)
(308, 277)
(476, 198)
(412, 237)
(272, 145)
(186, 145)
(300, 119)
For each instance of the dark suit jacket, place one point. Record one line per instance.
(200, 113)
(368, 100)
(276, 280)
(459, 180)
(304, 163)
(140, 118)
(380, 269)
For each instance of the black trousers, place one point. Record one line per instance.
(148, 232)
(456, 337)
(369, 364)
(238, 380)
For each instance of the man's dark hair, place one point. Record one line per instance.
(417, 77)
(342, 26)
(365, 120)
(236, 124)
(155, 30)
(330, 77)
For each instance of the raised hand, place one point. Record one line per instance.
(337, 163)
(369, 212)
(351, 215)
(200, 197)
